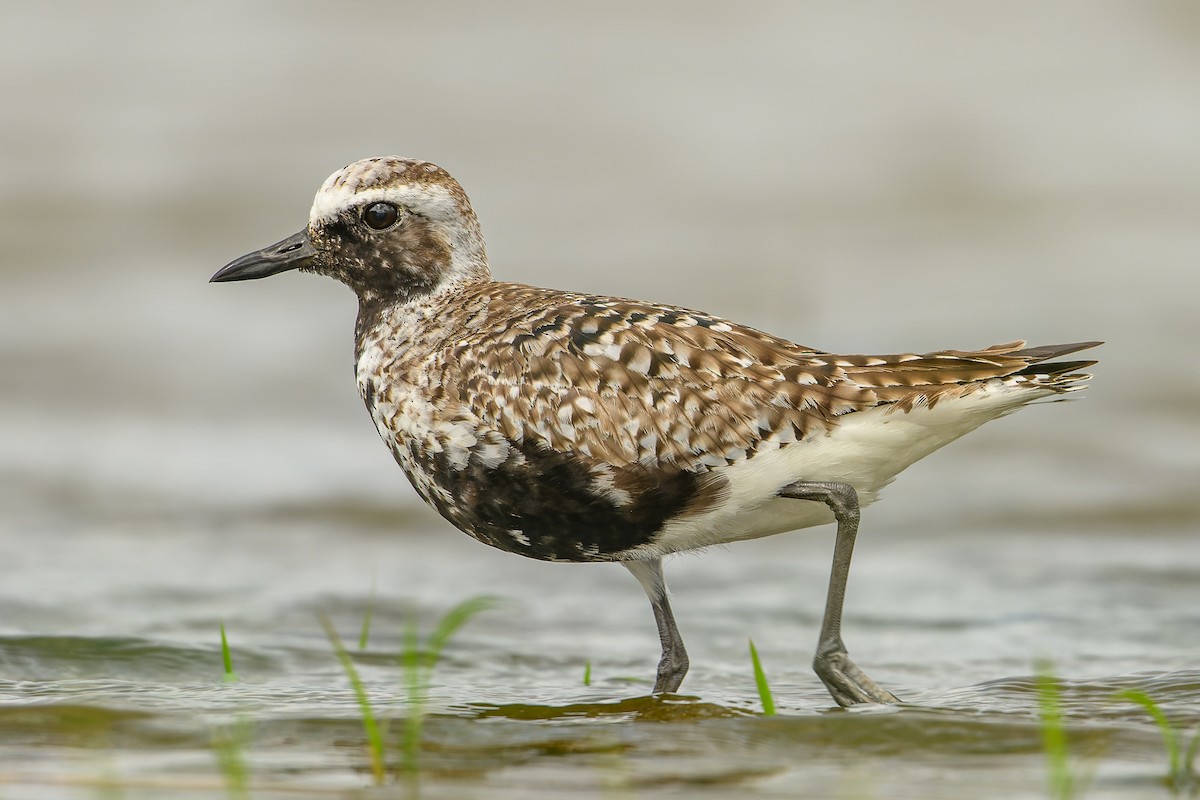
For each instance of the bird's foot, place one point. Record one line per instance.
(848, 684)
(671, 670)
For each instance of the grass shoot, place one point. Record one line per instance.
(418, 664)
(227, 657)
(760, 680)
(375, 746)
(1054, 733)
(1181, 774)
(365, 634)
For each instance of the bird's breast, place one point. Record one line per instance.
(522, 496)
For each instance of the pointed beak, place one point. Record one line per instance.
(294, 252)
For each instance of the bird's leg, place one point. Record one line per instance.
(846, 682)
(674, 662)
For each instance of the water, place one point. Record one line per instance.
(175, 454)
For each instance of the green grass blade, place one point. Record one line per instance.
(1182, 775)
(760, 680)
(1190, 757)
(374, 737)
(1170, 740)
(418, 667)
(414, 682)
(1054, 733)
(365, 633)
(587, 673)
(1188, 779)
(454, 619)
(227, 657)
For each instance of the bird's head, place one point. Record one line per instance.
(389, 228)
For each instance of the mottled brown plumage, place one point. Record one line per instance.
(644, 398)
(573, 427)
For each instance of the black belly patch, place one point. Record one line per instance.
(558, 506)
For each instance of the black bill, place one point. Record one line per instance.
(294, 252)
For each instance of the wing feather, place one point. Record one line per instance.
(624, 381)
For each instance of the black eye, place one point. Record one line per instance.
(380, 215)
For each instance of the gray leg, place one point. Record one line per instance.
(847, 683)
(674, 663)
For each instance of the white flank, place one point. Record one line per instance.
(866, 449)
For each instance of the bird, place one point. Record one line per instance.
(575, 427)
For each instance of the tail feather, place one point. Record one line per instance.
(909, 380)
(1055, 367)
(1048, 351)
(1061, 376)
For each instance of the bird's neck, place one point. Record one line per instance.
(418, 323)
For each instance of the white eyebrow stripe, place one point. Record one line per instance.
(430, 200)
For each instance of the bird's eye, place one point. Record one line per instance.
(379, 216)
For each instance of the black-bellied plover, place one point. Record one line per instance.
(574, 427)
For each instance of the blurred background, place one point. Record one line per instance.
(855, 177)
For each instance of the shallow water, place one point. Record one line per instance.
(174, 455)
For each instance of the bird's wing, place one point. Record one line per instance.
(629, 382)
(625, 382)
